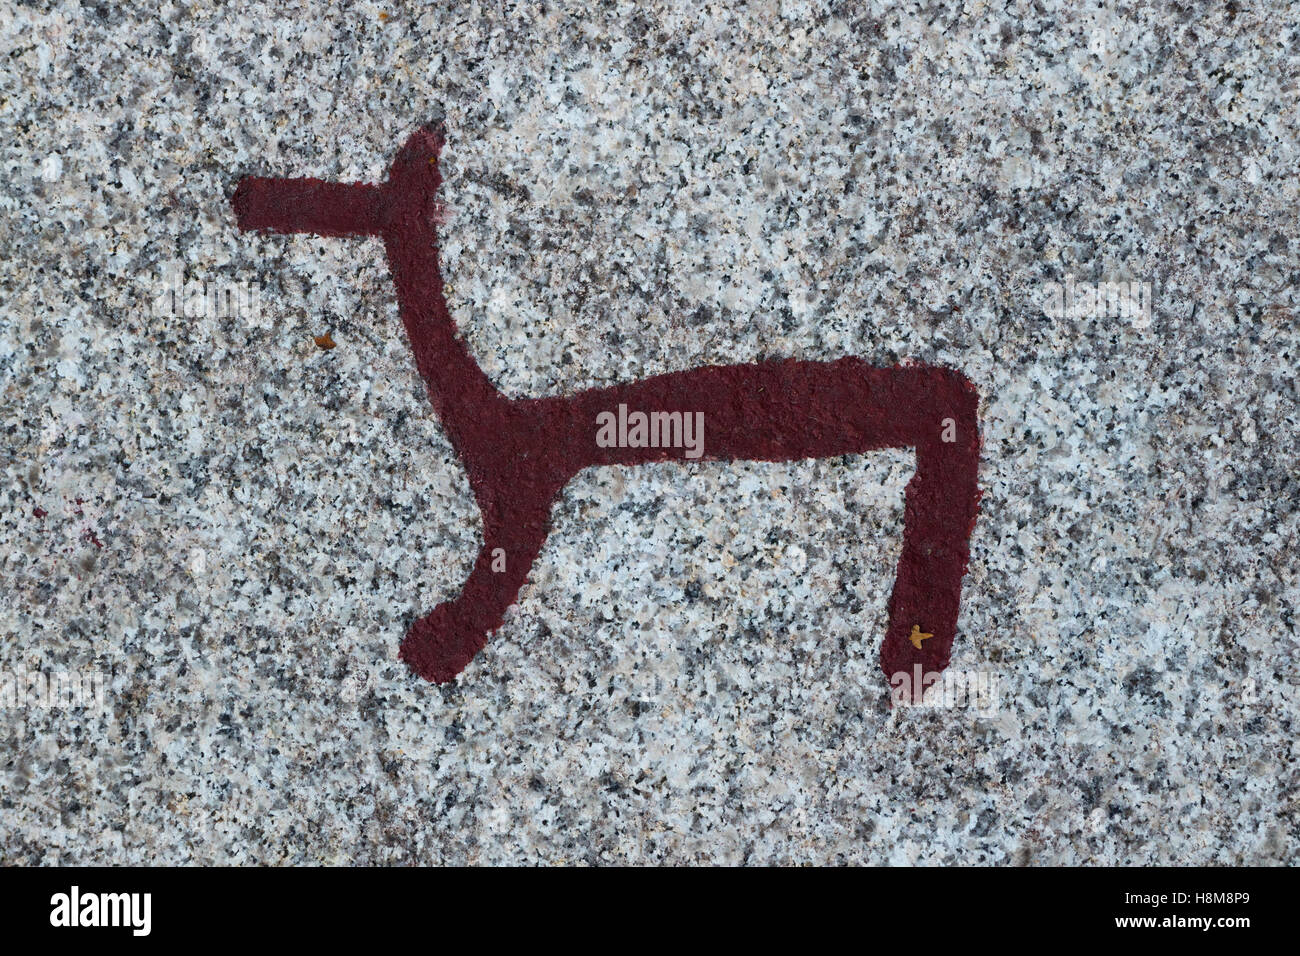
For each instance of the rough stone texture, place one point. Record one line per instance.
(238, 526)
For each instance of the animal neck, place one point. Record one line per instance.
(461, 393)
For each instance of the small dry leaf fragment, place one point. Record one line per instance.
(325, 341)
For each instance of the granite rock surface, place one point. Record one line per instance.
(225, 529)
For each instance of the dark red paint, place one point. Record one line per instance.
(519, 453)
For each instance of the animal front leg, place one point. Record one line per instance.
(442, 643)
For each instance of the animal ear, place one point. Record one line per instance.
(416, 164)
(423, 146)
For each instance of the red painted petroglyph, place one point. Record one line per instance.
(519, 454)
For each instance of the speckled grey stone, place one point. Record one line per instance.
(238, 526)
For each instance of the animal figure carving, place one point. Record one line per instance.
(518, 454)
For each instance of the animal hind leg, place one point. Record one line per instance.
(939, 515)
